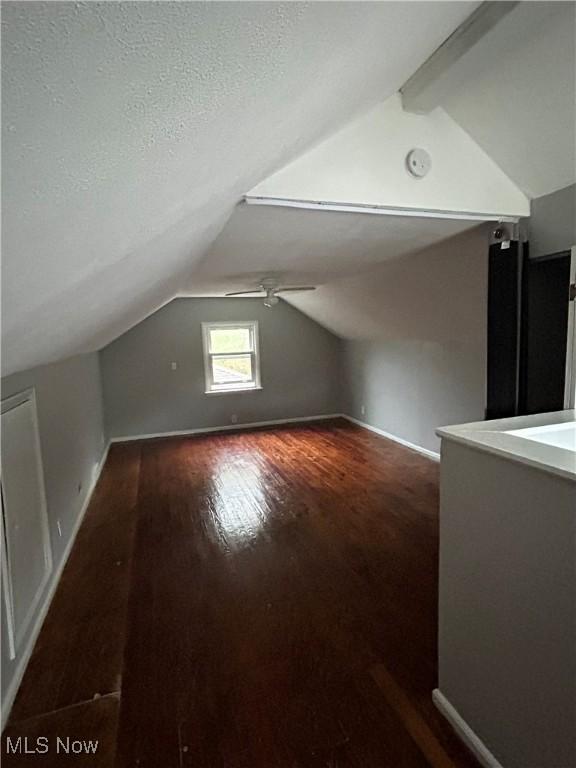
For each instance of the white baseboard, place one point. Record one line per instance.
(464, 732)
(26, 651)
(418, 448)
(225, 428)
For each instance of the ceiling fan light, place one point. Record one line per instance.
(271, 301)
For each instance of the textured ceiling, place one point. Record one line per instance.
(130, 131)
(514, 95)
(300, 247)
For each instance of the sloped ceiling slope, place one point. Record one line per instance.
(514, 93)
(130, 130)
(503, 131)
(298, 247)
(362, 164)
(398, 299)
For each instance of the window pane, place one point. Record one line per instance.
(232, 370)
(224, 340)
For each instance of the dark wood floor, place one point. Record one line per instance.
(251, 600)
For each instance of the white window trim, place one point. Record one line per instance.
(255, 354)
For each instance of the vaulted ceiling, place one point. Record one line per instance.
(515, 91)
(132, 130)
(300, 246)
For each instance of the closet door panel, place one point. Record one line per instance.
(25, 524)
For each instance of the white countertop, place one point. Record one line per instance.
(493, 437)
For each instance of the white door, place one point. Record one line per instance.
(27, 560)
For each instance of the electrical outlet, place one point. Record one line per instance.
(174, 366)
(59, 528)
(234, 418)
(363, 409)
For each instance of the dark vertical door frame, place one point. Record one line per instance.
(544, 333)
(570, 388)
(503, 354)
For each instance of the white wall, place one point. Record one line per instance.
(423, 363)
(552, 224)
(69, 403)
(364, 164)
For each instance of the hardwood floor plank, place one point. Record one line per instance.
(80, 647)
(62, 737)
(415, 724)
(255, 581)
(273, 570)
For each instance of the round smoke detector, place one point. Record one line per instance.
(418, 163)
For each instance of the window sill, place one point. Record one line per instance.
(231, 391)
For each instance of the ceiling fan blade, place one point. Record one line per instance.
(244, 293)
(296, 288)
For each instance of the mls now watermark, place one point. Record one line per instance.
(42, 745)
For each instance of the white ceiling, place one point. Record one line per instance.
(509, 93)
(515, 94)
(301, 247)
(132, 129)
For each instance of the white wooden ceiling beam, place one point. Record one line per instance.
(425, 89)
(428, 213)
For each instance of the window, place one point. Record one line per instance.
(231, 362)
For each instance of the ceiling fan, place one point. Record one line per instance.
(270, 288)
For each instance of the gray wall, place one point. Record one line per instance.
(552, 223)
(507, 612)
(300, 367)
(427, 367)
(69, 403)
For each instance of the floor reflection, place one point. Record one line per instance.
(239, 508)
